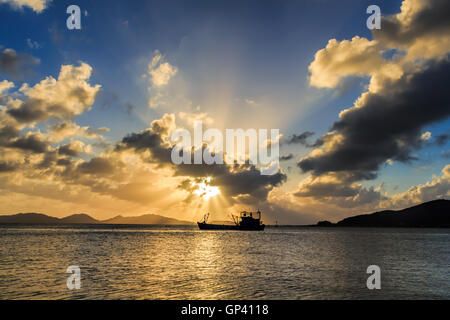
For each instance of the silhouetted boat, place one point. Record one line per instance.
(249, 221)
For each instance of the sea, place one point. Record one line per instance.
(182, 262)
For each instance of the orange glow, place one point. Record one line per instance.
(206, 191)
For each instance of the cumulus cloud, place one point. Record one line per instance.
(16, 66)
(31, 141)
(387, 122)
(36, 5)
(73, 149)
(5, 85)
(358, 57)
(339, 189)
(241, 182)
(61, 98)
(422, 28)
(55, 166)
(384, 125)
(69, 129)
(438, 188)
(159, 73)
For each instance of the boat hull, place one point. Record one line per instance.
(208, 226)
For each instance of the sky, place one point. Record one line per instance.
(86, 115)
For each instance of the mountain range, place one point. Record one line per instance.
(82, 218)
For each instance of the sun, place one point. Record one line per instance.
(205, 191)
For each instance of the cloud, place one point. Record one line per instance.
(438, 188)
(160, 71)
(73, 149)
(338, 189)
(97, 166)
(68, 129)
(36, 5)
(384, 125)
(426, 136)
(301, 138)
(442, 139)
(422, 28)
(31, 141)
(154, 139)
(35, 165)
(337, 60)
(7, 167)
(191, 117)
(287, 157)
(33, 44)
(234, 180)
(61, 98)
(5, 85)
(16, 66)
(406, 93)
(32, 151)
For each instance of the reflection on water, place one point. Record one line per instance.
(185, 263)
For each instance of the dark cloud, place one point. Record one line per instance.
(142, 141)
(287, 157)
(64, 162)
(327, 189)
(300, 139)
(16, 66)
(442, 139)
(233, 179)
(388, 126)
(68, 150)
(97, 166)
(29, 111)
(433, 19)
(30, 142)
(147, 140)
(8, 166)
(339, 191)
(244, 182)
(248, 181)
(7, 133)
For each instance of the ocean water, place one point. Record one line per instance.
(185, 263)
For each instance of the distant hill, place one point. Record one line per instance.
(432, 214)
(146, 219)
(82, 218)
(29, 218)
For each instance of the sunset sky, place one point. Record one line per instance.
(86, 115)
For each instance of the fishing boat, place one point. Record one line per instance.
(248, 221)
